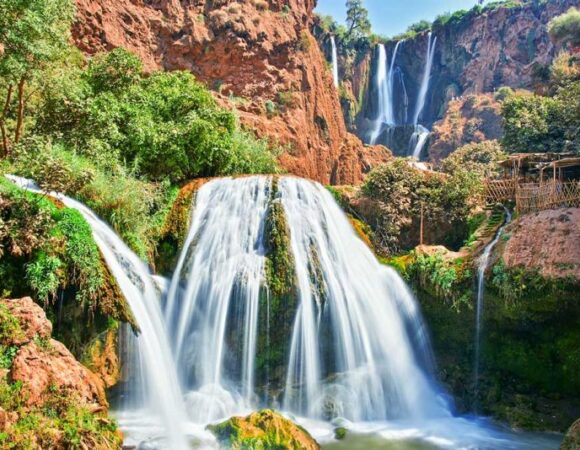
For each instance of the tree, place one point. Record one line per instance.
(33, 33)
(566, 28)
(357, 19)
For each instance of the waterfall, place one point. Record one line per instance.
(418, 141)
(334, 61)
(483, 263)
(426, 78)
(384, 113)
(162, 395)
(216, 287)
(357, 345)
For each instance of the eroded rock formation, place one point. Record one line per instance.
(258, 55)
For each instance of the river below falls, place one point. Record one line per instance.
(452, 433)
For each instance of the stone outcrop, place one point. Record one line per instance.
(468, 119)
(258, 55)
(572, 439)
(547, 242)
(264, 429)
(44, 365)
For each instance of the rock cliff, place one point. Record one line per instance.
(258, 56)
(476, 52)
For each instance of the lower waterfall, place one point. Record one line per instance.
(343, 344)
(354, 346)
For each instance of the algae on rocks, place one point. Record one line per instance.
(265, 430)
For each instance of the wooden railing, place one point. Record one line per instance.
(531, 197)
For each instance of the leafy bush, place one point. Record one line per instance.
(566, 27)
(399, 192)
(166, 125)
(480, 158)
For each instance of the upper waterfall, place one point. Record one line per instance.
(334, 61)
(423, 90)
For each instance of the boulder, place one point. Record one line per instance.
(265, 429)
(572, 439)
(44, 366)
(32, 320)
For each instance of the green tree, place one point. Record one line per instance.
(566, 27)
(357, 19)
(33, 33)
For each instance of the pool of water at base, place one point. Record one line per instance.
(453, 433)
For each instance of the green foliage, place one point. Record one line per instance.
(479, 158)
(503, 93)
(445, 278)
(7, 355)
(9, 327)
(167, 125)
(280, 273)
(533, 123)
(32, 33)
(357, 19)
(43, 275)
(566, 27)
(60, 422)
(400, 191)
(419, 27)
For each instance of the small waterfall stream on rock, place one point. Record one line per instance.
(334, 61)
(483, 263)
(358, 350)
(418, 141)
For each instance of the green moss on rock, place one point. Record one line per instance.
(263, 430)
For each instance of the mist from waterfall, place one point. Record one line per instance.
(424, 88)
(160, 396)
(334, 61)
(483, 263)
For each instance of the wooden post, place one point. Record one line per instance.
(554, 185)
(422, 223)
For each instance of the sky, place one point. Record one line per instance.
(391, 17)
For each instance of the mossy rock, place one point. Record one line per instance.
(263, 430)
(572, 439)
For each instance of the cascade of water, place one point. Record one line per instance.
(418, 141)
(347, 295)
(384, 113)
(426, 78)
(162, 392)
(483, 263)
(391, 84)
(334, 61)
(214, 294)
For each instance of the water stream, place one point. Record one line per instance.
(424, 88)
(334, 61)
(483, 264)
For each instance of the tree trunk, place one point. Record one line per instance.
(5, 110)
(21, 105)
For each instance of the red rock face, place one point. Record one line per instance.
(43, 364)
(259, 55)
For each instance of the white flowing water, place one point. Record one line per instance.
(371, 316)
(483, 263)
(418, 141)
(385, 114)
(216, 289)
(334, 61)
(162, 398)
(424, 88)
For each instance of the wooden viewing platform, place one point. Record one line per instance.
(532, 192)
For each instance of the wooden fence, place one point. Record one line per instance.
(531, 197)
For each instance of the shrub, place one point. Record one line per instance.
(566, 27)
(480, 158)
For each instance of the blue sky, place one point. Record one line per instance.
(391, 17)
